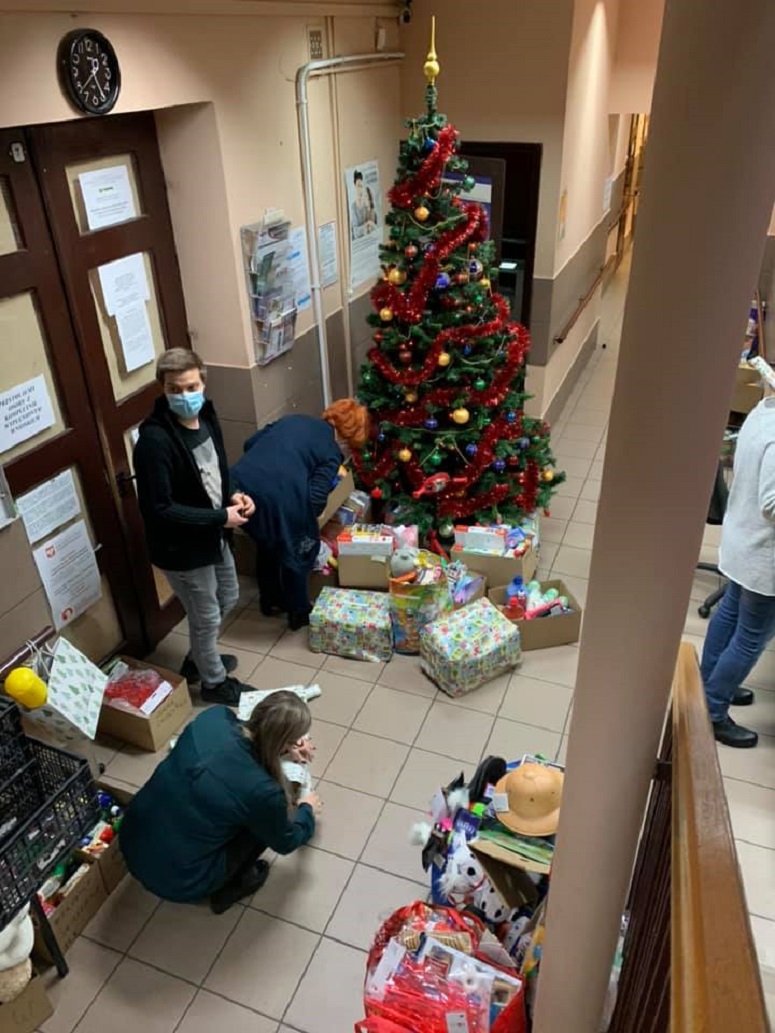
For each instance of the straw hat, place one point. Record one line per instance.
(534, 793)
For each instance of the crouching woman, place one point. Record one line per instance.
(217, 802)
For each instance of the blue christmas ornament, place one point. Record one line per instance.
(467, 349)
(442, 281)
(471, 450)
(381, 437)
(499, 466)
(511, 416)
(429, 144)
(524, 443)
(431, 423)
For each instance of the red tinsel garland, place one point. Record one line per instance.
(428, 176)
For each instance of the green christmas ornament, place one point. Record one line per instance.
(480, 384)
(435, 459)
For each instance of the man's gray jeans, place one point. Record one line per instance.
(207, 595)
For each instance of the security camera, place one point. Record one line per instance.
(406, 13)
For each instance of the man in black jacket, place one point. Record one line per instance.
(187, 506)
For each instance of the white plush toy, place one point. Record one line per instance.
(15, 948)
(491, 904)
(463, 876)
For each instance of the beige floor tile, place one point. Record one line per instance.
(455, 732)
(573, 467)
(575, 562)
(422, 775)
(389, 848)
(591, 491)
(369, 900)
(135, 766)
(262, 963)
(106, 749)
(511, 740)
(761, 714)
(122, 916)
(393, 714)
(570, 488)
(293, 646)
(764, 936)
(547, 554)
(561, 507)
(342, 698)
(562, 751)
(362, 670)
(367, 763)
(752, 810)
(184, 939)
(589, 417)
(552, 530)
(758, 866)
(327, 739)
(404, 673)
(487, 698)
(138, 997)
(347, 821)
(763, 673)
(254, 632)
(757, 765)
(569, 446)
(171, 651)
(578, 586)
(304, 888)
(579, 535)
(539, 703)
(557, 665)
(272, 673)
(247, 661)
(334, 966)
(90, 968)
(582, 432)
(211, 1014)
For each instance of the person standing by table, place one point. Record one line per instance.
(188, 508)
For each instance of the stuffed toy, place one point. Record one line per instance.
(403, 562)
(463, 876)
(490, 904)
(15, 947)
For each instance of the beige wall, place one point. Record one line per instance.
(244, 68)
(637, 48)
(503, 77)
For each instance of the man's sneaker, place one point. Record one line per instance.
(731, 734)
(190, 671)
(228, 692)
(743, 698)
(250, 883)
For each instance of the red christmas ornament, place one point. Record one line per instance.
(376, 493)
(405, 355)
(411, 251)
(378, 337)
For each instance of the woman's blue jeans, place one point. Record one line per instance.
(739, 630)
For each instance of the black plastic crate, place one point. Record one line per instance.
(15, 751)
(53, 804)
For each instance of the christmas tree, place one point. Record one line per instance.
(445, 380)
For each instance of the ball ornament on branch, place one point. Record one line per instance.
(444, 359)
(386, 315)
(396, 276)
(421, 213)
(404, 455)
(461, 415)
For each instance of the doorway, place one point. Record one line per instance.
(75, 199)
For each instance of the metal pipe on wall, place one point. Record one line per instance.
(326, 66)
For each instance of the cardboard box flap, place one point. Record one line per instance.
(509, 873)
(337, 498)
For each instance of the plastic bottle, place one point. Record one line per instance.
(534, 595)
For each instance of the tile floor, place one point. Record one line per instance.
(293, 958)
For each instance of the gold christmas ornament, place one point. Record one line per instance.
(411, 397)
(432, 68)
(548, 475)
(386, 315)
(404, 455)
(444, 359)
(461, 415)
(396, 276)
(485, 283)
(421, 213)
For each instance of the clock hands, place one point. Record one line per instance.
(95, 67)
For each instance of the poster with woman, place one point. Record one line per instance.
(364, 208)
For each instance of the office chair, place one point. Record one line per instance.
(716, 511)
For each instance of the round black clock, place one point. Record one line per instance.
(89, 71)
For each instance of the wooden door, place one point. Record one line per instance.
(37, 340)
(123, 152)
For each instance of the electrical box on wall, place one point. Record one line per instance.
(315, 43)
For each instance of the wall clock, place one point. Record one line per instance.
(89, 71)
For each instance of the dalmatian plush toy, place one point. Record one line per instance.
(463, 876)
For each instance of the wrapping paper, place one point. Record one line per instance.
(351, 623)
(469, 647)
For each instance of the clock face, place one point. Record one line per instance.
(89, 71)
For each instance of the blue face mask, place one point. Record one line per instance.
(187, 406)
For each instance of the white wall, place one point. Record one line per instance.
(637, 49)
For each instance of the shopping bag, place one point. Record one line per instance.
(414, 604)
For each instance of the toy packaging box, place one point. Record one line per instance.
(351, 623)
(469, 647)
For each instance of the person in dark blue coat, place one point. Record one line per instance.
(288, 469)
(198, 827)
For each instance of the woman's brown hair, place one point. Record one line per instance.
(276, 724)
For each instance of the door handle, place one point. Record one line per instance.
(124, 482)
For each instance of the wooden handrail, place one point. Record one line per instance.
(716, 985)
(583, 302)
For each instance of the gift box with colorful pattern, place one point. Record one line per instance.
(352, 623)
(469, 647)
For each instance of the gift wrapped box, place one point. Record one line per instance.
(351, 623)
(464, 650)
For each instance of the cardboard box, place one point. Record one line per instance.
(546, 631)
(508, 872)
(75, 912)
(152, 732)
(28, 1011)
(337, 498)
(499, 570)
(745, 397)
(364, 572)
(318, 581)
(110, 863)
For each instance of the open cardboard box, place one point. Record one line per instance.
(545, 631)
(508, 872)
(110, 863)
(153, 731)
(337, 498)
(75, 912)
(28, 1011)
(748, 390)
(499, 570)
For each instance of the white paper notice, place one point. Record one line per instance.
(48, 506)
(124, 283)
(107, 197)
(134, 331)
(364, 203)
(329, 260)
(69, 572)
(298, 264)
(25, 410)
